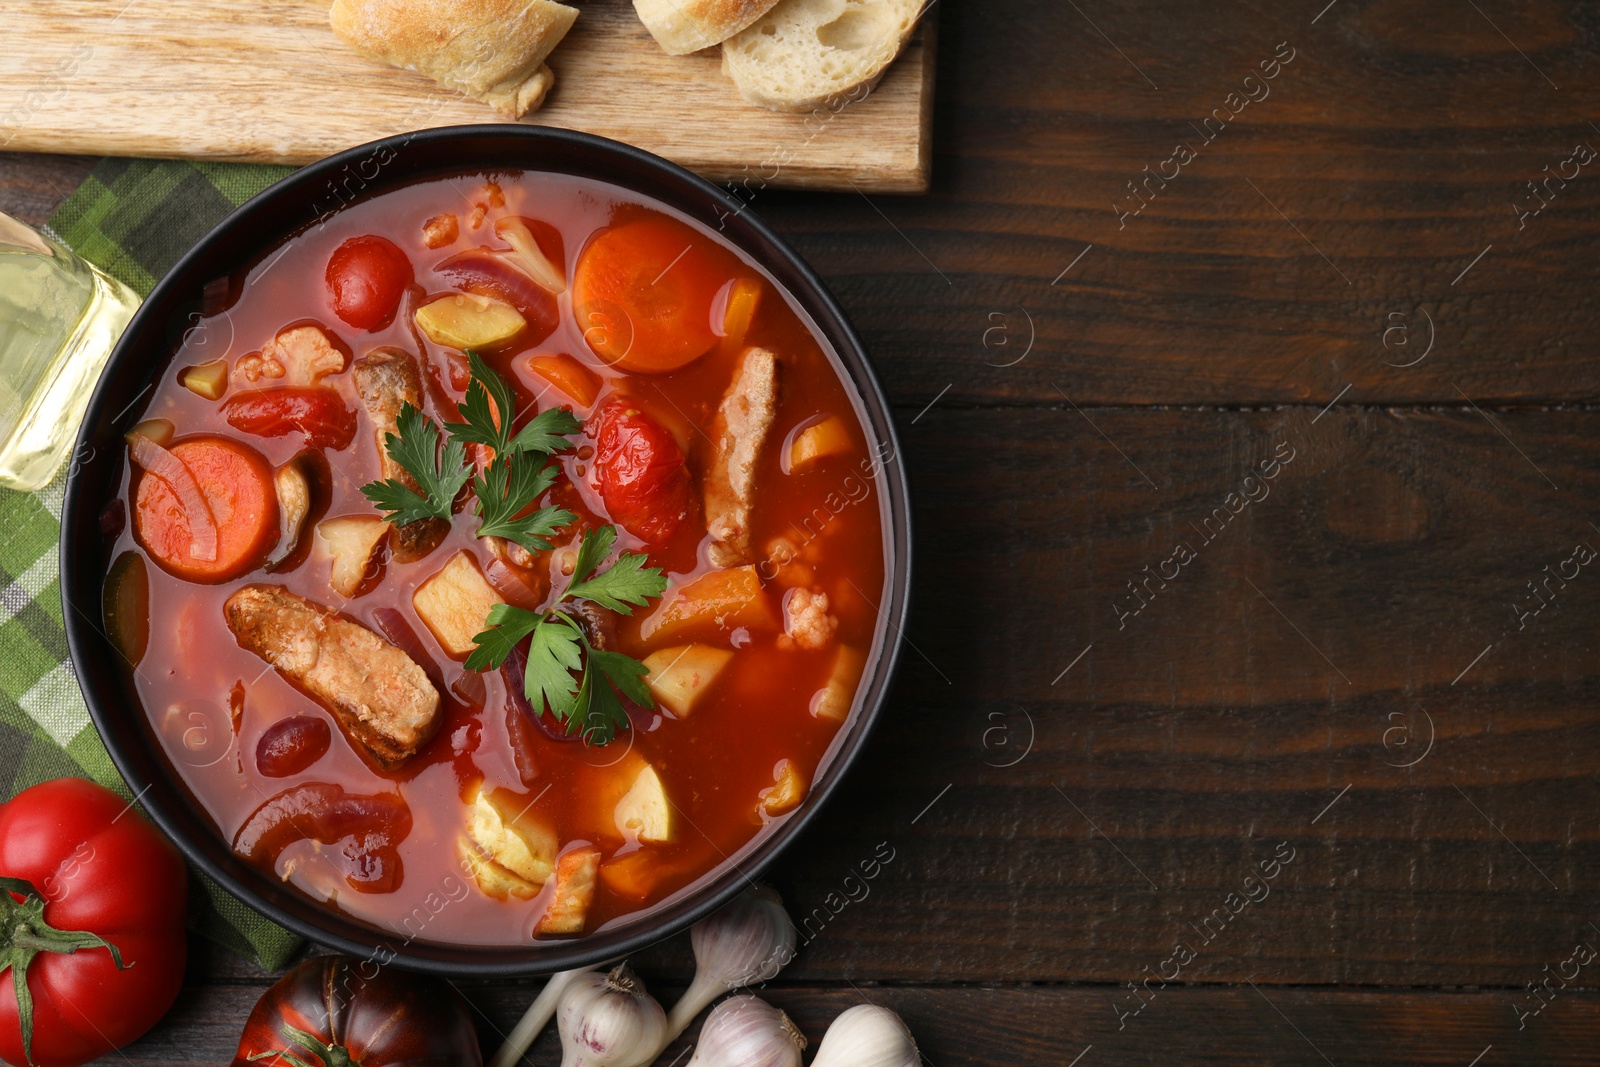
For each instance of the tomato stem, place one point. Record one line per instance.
(26, 934)
(330, 1054)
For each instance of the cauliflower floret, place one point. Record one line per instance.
(302, 355)
(806, 621)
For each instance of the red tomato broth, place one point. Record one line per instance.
(714, 763)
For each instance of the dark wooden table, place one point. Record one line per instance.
(1139, 666)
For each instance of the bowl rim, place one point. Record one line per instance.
(82, 584)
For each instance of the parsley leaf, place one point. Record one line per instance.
(624, 672)
(507, 625)
(552, 657)
(416, 449)
(545, 432)
(627, 581)
(599, 714)
(509, 485)
(559, 646)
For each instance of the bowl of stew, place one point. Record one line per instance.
(487, 550)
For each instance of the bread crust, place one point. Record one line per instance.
(758, 85)
(684, 26)
(490, 50)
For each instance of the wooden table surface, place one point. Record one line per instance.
(1139, 667)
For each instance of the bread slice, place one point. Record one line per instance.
(805, 54)
(491, 50)
(684, 26)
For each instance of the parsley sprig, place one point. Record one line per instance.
(521, 472)
(559, 645)
(441, 476)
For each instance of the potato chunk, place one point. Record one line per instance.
(209, 380)
(501, 824)
(717, 603)
(495, 880)
(350, 543)
(575, 879)
(833, 700)
(679, 677)
(455, 603)
(644, 810)
(467, 320)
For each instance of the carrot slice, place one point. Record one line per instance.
(205, 509)
(569, 376)
(743, 297)
(643, 293)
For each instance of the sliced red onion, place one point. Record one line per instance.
(160, 463)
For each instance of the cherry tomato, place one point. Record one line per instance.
(291, 745)
(319, 414)
(643, 291)
(640, 471)
(339, 1010)
(366, 278)
(85, 871)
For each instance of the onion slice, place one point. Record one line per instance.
(530, 257)
(160, 463)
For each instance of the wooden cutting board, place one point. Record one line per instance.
(268, 82)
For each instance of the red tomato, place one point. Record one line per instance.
(366, 278)
(640, 471)
(338, 1010)
(317, 413)
(99, 876)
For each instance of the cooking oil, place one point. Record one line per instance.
(59, 319)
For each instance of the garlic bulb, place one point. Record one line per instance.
(747, 942)
(748, 1032)
(867, 1036)
(534, 1020)
(608, 1020)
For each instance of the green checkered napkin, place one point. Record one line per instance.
(133, 219)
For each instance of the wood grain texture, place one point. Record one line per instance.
(1014, 1024)
(1067, 793)
(271, 83)
(1101, 801)
(1395, 143)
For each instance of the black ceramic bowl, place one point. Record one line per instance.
(290, 206)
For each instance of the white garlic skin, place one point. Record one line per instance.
(608, 1020)
(867, 1036)
(748, 941)
(748, 1032)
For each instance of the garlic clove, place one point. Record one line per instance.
(535, 1018)
(867, 1036)
(748, 1032)
(749, 941)
(609, 1020)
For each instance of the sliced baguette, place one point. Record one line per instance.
(684, 26)
(805, 54)
(492, 50)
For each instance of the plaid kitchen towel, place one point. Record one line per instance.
(134, 219)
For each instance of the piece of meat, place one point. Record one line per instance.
(387, 379)
(738, 434)
(382, 699)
